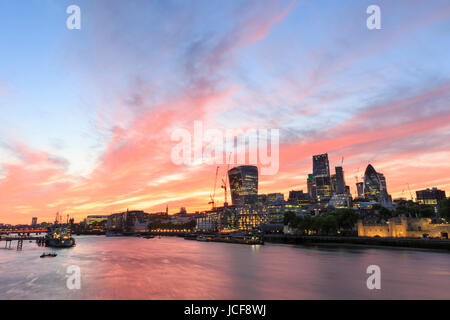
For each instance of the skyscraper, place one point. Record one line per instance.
(322, 179)
(243, 185)
(375, 188)
(360, 189)
(310, 185)
(340, 182)
(333, 184)
(34, 221)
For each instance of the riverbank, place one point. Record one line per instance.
(391, 242)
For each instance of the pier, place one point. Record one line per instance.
(9, 240)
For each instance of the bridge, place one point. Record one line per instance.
(3, 231)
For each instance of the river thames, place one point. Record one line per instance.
(174, 268)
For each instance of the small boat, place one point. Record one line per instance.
(148, 237)
(48, 255)
(202, 238)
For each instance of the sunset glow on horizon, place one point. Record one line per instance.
(88, 114)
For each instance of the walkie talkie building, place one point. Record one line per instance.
(243, 185)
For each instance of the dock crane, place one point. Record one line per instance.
(214, 191)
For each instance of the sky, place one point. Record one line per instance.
(87, 115)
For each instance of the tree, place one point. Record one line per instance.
(383, 212)
(420, 210)
(329, 224)
(289, 218)
(346, 218)
(444, 209)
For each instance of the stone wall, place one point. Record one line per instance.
(402, 227)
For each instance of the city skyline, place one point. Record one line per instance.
(88, 113)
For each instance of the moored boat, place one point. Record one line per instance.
(59, 237)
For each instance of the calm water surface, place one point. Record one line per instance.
(174, 268)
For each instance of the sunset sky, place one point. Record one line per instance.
(87, 115)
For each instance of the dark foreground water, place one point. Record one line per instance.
(174, 268)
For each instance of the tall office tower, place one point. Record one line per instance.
(310, 185)
(34, 221)
(375, 186)
(340, 182)
(333, 184)
(360, 189)
(243, 185)
(322, 179)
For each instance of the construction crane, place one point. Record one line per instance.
(410, 192)
(224, 181)
(214, 191)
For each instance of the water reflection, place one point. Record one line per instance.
(173, 268)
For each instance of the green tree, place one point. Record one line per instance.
(444, 209)
(329, 224)
(289, 218)
(346, 218)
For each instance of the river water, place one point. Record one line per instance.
(174, 268)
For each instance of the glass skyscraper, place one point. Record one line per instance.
(322, 179)
(340, 182)
(360, 189)
(375, 188)
(243, 185)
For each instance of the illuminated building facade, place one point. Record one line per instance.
(310, 185)
(298, 196)
(208, 223)
(430, 196)
(360, 189)
(340, 182)
(262, 199)
(375, 188)
(243, 185)
(275, 197)
(128, 221)
(333, 183)
(403, 227)
(321, 178)
(252, 217)
(340, 201)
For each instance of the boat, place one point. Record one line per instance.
(233, 238)
(48, 255)
(59, 237)
(148, 237)
(190, 237)
(113, 234)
